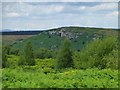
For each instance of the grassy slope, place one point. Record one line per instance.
(43, 40)
(9, 39)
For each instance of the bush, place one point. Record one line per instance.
(27, 56)
(97, 54)
(105, 47)
(90, 78)
(111, 59)
(12, 61)
(43, 53)
(4, 57)
(7, 49)
(22, 60)
(45, 63)
(14, 51)
(64, 58)
(83, 60)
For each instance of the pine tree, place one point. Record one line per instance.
(22, 60)
(29, 57)
(64, 58)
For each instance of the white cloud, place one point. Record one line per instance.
(15, 9)
(13, 14)
(104, 6)
(45, 9)
(58, 8)
(52, 9)
(100, 7)
(25, 9)
(82, 7)
(112, 14)
(52, 15)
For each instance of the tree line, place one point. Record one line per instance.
(98, 53)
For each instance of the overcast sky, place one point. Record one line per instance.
(45, 15)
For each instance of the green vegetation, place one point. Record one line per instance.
(78, 62)
(43, 53)
(27, 57)
(70, 78)
(4, 57)
(98, 53)
(51, 39)
(64, 59)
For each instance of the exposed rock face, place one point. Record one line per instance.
(71, 35)
(65, 33)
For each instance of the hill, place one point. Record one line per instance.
(52, 38)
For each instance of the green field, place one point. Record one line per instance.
(90, 78)
(43, 76)
(10, 39)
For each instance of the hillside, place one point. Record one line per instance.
(52, 38)
(9, 37)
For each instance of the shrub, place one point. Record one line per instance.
(22, 60)
(111, 59)
(97, 54)
(4, 57)
(43, 53)
(14, 51)
(7, 49)
(45, 63)
(64, 58)
(105, 47)
(27, 56)
(12, 61)
(82, 60)
(30, 78)
(5, 52)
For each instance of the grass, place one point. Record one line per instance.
(9, 39)
(43, 75)
(90, 78)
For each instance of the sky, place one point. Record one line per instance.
(47, 15)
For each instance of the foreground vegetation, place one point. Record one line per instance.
(95, 66)
(68, 78)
